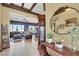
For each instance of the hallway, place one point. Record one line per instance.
(21, 49)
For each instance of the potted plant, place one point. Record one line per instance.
(49, 37)
(59, 44)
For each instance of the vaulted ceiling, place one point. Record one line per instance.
(33, 8)
(22, 18)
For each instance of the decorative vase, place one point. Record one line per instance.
(49, 40)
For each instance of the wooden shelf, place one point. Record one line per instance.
(65, 52)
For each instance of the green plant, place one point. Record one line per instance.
(49, 36)
(58, 42)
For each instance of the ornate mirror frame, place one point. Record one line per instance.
(60, 10)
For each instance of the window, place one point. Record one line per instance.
(14, 27)
(33, 27)
(10, 27)
(19, 28)
(22, 27)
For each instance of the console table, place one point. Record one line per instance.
(60, 52)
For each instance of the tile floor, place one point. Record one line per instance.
(21, 49)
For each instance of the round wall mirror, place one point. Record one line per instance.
(64, 19)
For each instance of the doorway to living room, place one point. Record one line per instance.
(23, 28)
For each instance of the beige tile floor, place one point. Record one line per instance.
(21, 49)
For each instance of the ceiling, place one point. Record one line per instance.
(39, 8)
(21, 18)
(33, 7)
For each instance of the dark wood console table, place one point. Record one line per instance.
(65, 52)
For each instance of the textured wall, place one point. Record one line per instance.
(0, 26)
(50, 9)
